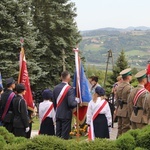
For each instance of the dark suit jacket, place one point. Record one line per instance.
(4, 98)
(21, 119)
(64, 111)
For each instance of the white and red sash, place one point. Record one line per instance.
(62, 94)
(97, 111)
(138, 94)
(46, 114)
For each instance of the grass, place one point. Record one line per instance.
(136, 52)
(36, 124)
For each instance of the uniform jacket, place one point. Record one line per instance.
(122, 93)
(4, 97)
(143, 101)
(64, 111)
(20, 111)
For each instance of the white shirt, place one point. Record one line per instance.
(105, 110)
(43, 107)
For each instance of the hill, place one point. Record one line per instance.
(134, 40)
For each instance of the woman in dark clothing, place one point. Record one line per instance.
(21, 120)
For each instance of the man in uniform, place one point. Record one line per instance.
(64, 101)
(122, 95)
(6, 105)
(139, 103)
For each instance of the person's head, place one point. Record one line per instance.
(126, 75)
(20, 89)
(90, 79)
(65, 76)
(47, 94)
(1, 89)
(141, 77)
(10, 83)
(119, 78)
(99, 92)
(94, 80)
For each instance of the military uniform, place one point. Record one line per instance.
(139, 110)
(122, 95)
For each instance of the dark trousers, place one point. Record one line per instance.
(19, 132)
(63, 128)
(9, 127)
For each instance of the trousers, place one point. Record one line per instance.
(63, 128)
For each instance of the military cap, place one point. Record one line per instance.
(20, 87)
(10, 81)
(126, 72)
(141, 74)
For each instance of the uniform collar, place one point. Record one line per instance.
(141, 85)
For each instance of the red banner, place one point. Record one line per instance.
(147, 86)
(24, 79)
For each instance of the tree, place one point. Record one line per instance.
(57, 32)
(120, 65)
(16, 22)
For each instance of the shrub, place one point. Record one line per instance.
(139, 148)
(2, 142)
(102, 144)
(18, 140)
(8, 137)
(126, 142)
(143, 139)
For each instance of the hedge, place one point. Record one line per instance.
(132, 140)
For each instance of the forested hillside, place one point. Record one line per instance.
(134, 41)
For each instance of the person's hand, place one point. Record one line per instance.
(77, 100)
(27, 129)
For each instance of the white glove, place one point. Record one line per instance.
(77, 100)
(27, 129)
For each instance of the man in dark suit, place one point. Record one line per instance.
(64, 108)
(6, 115)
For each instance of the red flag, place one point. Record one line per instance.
(24, 79)
(147, 86)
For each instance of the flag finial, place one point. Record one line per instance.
(21, 41)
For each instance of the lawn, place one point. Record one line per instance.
(36, 124)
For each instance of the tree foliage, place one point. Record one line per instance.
(47, 27)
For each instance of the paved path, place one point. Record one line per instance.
(113, 132)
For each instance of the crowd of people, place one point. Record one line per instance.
(132, 107)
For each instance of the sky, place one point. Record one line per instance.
(95, 14)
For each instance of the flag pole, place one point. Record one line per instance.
(77, 63)
(78, 123)
(20, 66)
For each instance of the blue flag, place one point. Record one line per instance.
(1, 81)
(84, 88)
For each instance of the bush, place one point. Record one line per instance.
(8, 137)
(2, 142)
(126, 142)
(143, 138)
(139, 148)
(19, 140)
